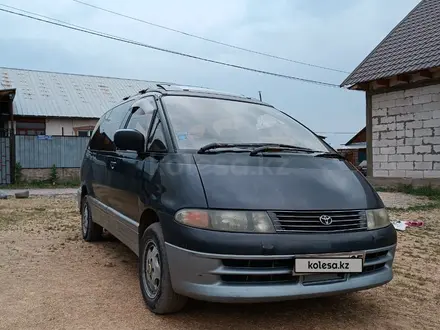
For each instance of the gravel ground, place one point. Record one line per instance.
(42, 192)
(400, 200)
(51, 279)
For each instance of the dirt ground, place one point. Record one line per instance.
(51, 279)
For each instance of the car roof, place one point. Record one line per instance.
(170, 89)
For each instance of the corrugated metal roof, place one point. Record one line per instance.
(414, 44)
(52, 94)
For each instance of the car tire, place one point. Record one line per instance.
(154, 274)
(90, 230)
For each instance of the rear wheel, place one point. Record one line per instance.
(154, 274)
(90, 230)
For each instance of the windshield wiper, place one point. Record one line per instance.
(280, 147)
(212, 146)
(330, 155)
(257, 148)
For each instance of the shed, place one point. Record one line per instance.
(355, 150)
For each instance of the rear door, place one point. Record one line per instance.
(102, 148)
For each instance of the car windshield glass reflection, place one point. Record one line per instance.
(198, 121)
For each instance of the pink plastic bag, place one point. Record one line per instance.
(414, 223)
(401, 225)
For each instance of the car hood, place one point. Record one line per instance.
(288, 182)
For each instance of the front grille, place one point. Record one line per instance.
(262, 264)
(309, 222)
(375, 261)
(325, 278)
(260, 279)
(375, 255)
(372, 268)
(278, 271)
(254, 271)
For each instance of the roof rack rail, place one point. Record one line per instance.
(143, 91)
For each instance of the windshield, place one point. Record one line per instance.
(198, 121)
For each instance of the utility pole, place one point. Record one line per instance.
(259, 93)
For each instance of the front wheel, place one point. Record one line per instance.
(154, 274)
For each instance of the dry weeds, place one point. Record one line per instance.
(51, 279)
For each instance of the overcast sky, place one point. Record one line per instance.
(336, 33)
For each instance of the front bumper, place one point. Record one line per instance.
(264, 278)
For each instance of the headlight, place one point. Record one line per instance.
(234, 221)
(377, 219)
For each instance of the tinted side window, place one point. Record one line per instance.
(102, 138)
(141, 116)
(97, 140)
(156, 141)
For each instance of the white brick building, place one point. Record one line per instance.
(401, 78)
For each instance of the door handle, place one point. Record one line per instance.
(113, 164)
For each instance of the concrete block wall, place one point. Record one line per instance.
(406, 133)
(41, 174)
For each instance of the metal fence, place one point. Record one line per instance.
(5, 163)
(44, 152)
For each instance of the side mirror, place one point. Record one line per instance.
(130, 139)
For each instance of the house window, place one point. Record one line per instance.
(85, 133)
(362, 155)
(30, 128)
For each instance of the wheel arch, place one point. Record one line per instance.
(148, 217)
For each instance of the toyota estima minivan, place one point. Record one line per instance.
(227, 199)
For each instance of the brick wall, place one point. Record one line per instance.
(351, 156)
(406, 133)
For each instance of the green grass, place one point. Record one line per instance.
(425, 191)
(42, 184)
(433, 194)
(415, 208)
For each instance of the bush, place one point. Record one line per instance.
(18, 173)
(53, 175)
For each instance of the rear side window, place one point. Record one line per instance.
(107, 126)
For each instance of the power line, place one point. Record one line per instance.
(207, 39)
(137, 43)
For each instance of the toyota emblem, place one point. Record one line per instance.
(325, 220)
